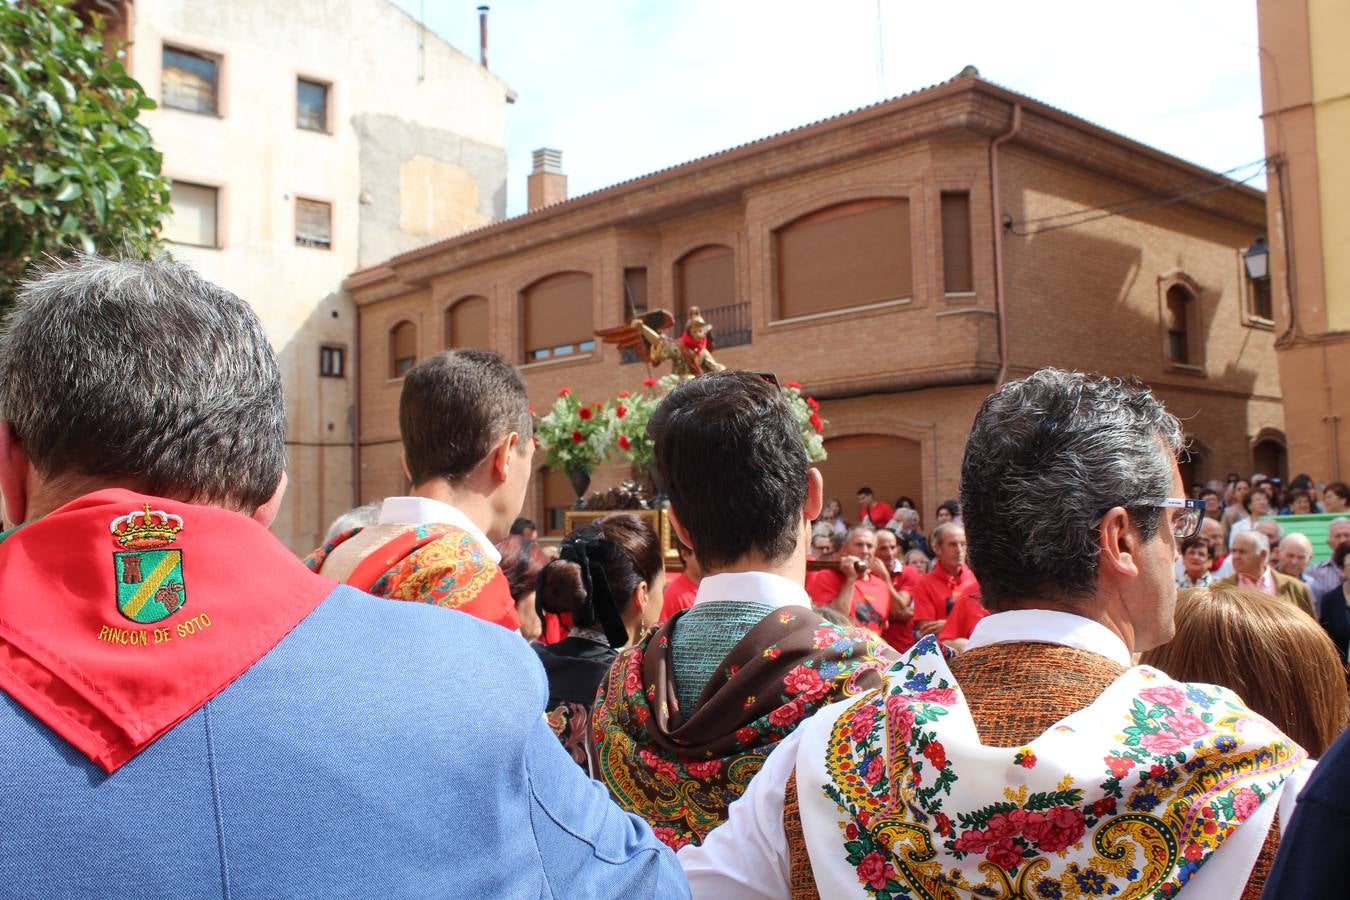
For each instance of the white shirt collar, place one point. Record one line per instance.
(751, 587)
(1050, 627)
(425, 511)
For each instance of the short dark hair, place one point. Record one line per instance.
(1339, 555)
(1196, 540)
(522, 525)
(522, 561)
(143, 370)
(866, 490)
(1339, 488)
(950, 506)
(731, 458)
(1047, 457)
(455, 407)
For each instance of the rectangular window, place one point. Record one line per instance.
(634, 292)
(557, 313)
(851, 254)
(1259, 302)
(332, 362)
(189, 81)
(957, 275)
(311, 105)
(193, 217)
(313, 224)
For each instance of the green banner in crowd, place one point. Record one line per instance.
(1314, 527)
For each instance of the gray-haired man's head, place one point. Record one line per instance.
(145, 375)
(1047, 458)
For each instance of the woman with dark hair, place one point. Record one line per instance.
(522, 560)
(1268, 652)
(609, 577)
(1335, 614)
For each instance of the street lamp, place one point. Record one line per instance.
(1257, 260)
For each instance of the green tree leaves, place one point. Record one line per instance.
(77, 170)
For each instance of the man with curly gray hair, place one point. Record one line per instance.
(1039, 762)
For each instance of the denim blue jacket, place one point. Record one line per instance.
(382, 749)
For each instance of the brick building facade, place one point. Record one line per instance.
(898, 261)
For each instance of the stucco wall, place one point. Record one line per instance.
(416, 152)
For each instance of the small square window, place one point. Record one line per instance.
(189, 81)
(332, 362)
(313, 224)
(193, 215)
(311, 105)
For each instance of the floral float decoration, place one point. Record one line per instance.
(577, 436)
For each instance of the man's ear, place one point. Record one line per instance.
(14, 471)
(680, 531)
(267, 513)
(1118, 544)
(815, 494)
(503, 457)
(403, 464)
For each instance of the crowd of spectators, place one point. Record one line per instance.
(1078, 683)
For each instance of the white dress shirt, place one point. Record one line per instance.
(425, 511)
(751, 587)
(747, 857)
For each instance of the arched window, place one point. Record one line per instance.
(847, 255)
(557, 315)
(466, 324)
(402, 348)
(1270, 456)
(1179, 316)
(705, 278)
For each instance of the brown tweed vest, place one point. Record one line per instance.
(1015, 693)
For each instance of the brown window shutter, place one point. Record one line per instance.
(558, 311)
(707, 279)
(852, 254)
(957, 268)
(466, 324)
(634, 292)
(402, 348)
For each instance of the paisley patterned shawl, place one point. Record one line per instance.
(1127, 798)
(438, 564)
(681, 774)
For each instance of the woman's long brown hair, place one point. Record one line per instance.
(1273, 655)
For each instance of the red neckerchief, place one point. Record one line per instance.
(696, 346)
(122, 614)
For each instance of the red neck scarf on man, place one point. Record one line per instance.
(122, 614)
(696, 346)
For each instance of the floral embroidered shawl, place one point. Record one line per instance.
(1126, 798)
(681, 775)
(438, 564)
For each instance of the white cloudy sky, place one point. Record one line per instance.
(625, 87)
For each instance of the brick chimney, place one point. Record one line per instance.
(547, 183)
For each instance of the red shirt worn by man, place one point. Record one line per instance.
(878, 513)
(964, 615)
(900, 635)
(871, 603)
(680, 591)
(937, 594)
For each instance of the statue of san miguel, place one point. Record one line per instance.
(690, 354)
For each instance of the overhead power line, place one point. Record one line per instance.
(1105, 212)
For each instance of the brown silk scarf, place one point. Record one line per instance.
(681, 774)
